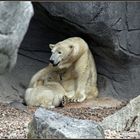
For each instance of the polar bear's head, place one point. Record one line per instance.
(64, 53)
(60, 53)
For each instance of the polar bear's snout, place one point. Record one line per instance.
(55, 59)
(54, 62)
(51, 61)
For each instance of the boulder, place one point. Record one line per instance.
(51, 125)
(14, 21)
(126, 119)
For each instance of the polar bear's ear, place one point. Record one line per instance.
(51, 46)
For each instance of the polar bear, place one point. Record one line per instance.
(72, 70)
(77, 68)
(45, 96)
(44, 89)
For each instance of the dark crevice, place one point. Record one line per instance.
(118, 30)
(126, 18)
(130, 122)
(97, 14)
(5, 34)
(2, 33)
(116, 22)
(136, 29)
(129, 30)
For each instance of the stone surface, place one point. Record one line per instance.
(14, 83)
(126, 119)
(112, 32)
(14, 21)
(51, 125)
(33, 55)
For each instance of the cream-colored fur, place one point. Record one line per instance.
(44, 89)
(77, 68)
(73, 69)
(47, 74)
(45, 96)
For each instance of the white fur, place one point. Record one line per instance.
(74, 76)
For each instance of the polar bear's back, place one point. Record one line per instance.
(45, 96)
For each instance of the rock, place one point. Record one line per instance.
(14, 83)
(110, 28)
(51, 125)
(127, 118)
(112, 32)
(32, 56)
(14, 21)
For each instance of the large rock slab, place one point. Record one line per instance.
(14, 21)
(112, 32)
(51, 125)
(127, 118)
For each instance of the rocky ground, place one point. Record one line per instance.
(14, 121)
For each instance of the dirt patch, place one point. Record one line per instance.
(83, 111)
(14, 120)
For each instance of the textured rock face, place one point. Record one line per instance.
(112, 31)
(128, 118)
(14, 21)
(52, 125)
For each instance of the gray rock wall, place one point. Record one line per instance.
(14, 21)
(112, 32)
(111, 29)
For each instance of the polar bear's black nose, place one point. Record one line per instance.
(51, 61)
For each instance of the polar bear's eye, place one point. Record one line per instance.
(71, 46)
(59, 52)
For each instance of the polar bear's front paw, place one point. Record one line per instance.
(78, 98)
(64, 100)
